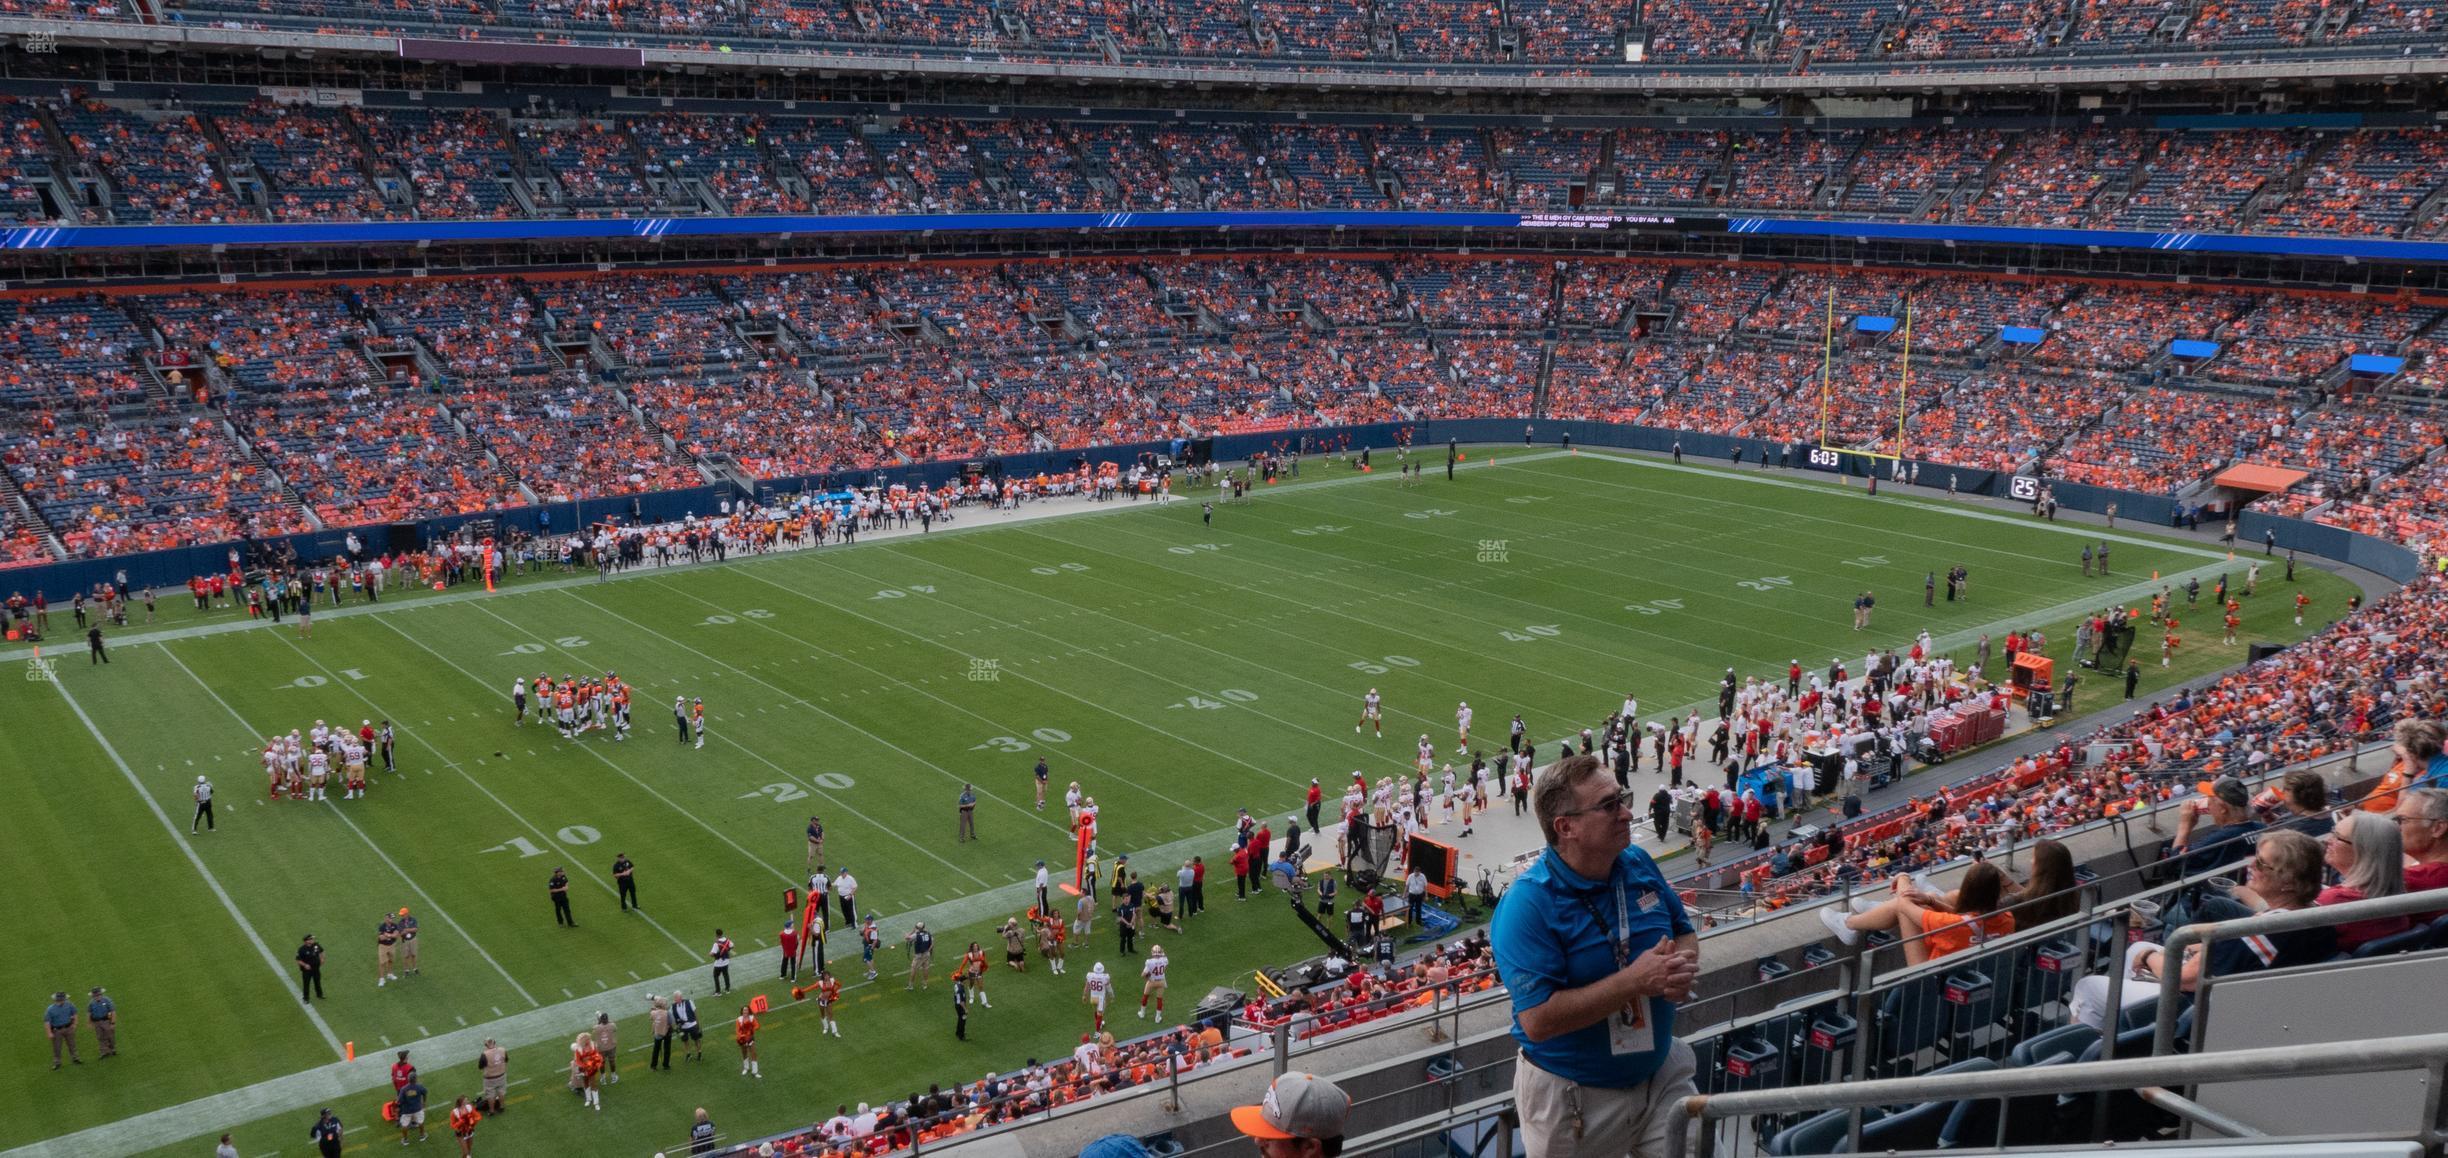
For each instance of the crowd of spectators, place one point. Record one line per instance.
(1554, 34)
(330, 392)
(161, 167)
(2050, 177)
(2006, 415)
(458, 163)
(269, 340)
(592, 160)
(2369, 184)
(1600, 294)
(1233, 292)
(725, 151)
(309, 160)
(2119, 328)
(455, 159)
(832, 309)
(2294, 339)
(771, 423)
(566, 438)
(370, 454)
(108, 486)
(2157, 440)
(1437, 168)
(78, 352)
(645, 319)
(1480, 295)
(474, 326)
(1897, 169)
(843, 174)
(2200, 181)
(1112, 298)
(1791, 169)
(1042, 172)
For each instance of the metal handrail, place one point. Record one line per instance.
(2428, 1052)
(2289, 921)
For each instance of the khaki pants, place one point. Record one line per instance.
(1562, 1118)
(106, 1035)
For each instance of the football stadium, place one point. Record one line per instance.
(1676, 577)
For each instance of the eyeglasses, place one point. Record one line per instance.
(2401, 819)
(1622, 800)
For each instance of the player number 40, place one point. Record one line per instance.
(1382, 664)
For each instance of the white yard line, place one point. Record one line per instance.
(424, 896)
(278, 970)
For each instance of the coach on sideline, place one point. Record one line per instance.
(1596, 949)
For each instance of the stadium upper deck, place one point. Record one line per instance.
(96, 162)
(1551, 36)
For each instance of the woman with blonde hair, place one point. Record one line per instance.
(586, 1066)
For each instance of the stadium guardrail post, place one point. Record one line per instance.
(1283, 1046)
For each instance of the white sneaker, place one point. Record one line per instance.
(1862, 904)
(1833, 918)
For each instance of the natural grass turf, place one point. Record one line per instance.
(1178, 671)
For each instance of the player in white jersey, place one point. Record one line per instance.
(1427, 755)
(353, 767)
(272, 767)
(1462, 719)
(320, 735)
(1099, 987)
(1369, 716)
(1446, 798)
(1152, 980)
(318, 770)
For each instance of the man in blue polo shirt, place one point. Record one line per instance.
(1596, 950)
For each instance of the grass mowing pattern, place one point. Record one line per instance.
(1179, 671)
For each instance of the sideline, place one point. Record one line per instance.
(971, 521)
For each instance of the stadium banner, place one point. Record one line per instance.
(62, 237)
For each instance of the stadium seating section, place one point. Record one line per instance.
(398, 399)
(99, 162)
(1543, 35)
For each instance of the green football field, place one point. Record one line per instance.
(1178, 671)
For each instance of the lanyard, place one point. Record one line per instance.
(1620, 939)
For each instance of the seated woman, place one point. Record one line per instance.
(2051, 893)
(1932, 925)
(2369, 859)
(2284, 874)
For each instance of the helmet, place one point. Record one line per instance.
(199, 780)
(1100, 968)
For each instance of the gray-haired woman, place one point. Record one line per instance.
(2369, 859)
